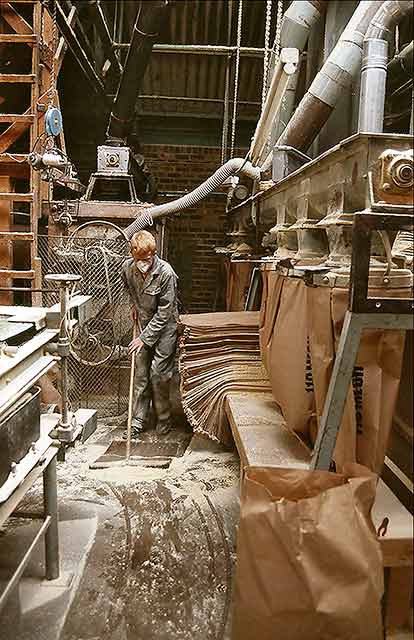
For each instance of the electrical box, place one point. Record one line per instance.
(113, 160)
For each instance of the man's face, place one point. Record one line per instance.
(143, 260)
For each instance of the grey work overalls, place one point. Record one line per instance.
(155, 300)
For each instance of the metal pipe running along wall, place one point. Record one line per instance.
(336, 75)
(374, 64)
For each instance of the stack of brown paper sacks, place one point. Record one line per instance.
(219, 353)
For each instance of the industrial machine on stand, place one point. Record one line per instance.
(34, 340)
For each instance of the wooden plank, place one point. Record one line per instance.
(15, 274)
(5, 247)
(397, 543)
(62, 46)
(12, 133)
(17, 197)
(6, 158)
(16, 117)
(79, 53)
(17, 235)
(14, 19)
(37, 297)
(398, 597)
(260, 433)
(18, 38)
(13, 78)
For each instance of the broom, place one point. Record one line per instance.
(138, 461)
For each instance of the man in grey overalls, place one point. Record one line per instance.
(152, 286)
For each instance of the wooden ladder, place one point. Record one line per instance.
(13, 166)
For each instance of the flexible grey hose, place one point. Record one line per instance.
(232, 167)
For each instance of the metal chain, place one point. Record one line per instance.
(54, 47)
(236, 76)
(278, 28)
(266, 58)
(225, 132)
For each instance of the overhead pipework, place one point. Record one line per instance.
(374, 64)
(336, 75)
(145, 31)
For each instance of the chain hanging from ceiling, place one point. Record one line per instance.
(226, 105)
(236, 76)
(266, 57)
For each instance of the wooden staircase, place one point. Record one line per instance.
(20, 186)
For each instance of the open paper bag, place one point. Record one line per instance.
(309, 565)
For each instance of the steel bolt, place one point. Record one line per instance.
(378, 305)
(386, 280)
(13, 468)
(386, 186)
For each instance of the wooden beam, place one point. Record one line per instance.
(16, 117)
(16, 235)
(17, 197)
(62, 46)
(14, 274)
(27, 78)
(104, 34)
(5, 247)
(80, 55)
(18, 38)
(14, 19)
(12, 133)
(6, 158)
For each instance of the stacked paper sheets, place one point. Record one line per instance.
(219, 354)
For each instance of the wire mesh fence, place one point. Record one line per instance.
(98, 365)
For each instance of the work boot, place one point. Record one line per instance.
(161, 401)
(163, 428)
(137, 427)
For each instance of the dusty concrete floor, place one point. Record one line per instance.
(146, 553)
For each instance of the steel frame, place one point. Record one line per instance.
(363, 313)
(49, 517)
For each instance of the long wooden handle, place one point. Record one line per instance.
(131, 397)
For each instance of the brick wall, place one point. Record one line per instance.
(193, 234)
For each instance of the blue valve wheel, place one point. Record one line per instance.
(53, 121)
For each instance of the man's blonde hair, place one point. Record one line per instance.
(143, 242)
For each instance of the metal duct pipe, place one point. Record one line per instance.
(146, 29)
(374, 64)
(234, 166)
(335, 76)
(298, 20)
(297, 23)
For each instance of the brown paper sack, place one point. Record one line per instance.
(309, 565)
(272, 287)
(289, 363)
(373, 394)
(238, 282)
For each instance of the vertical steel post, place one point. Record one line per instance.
(51, 509)
(63, 339)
